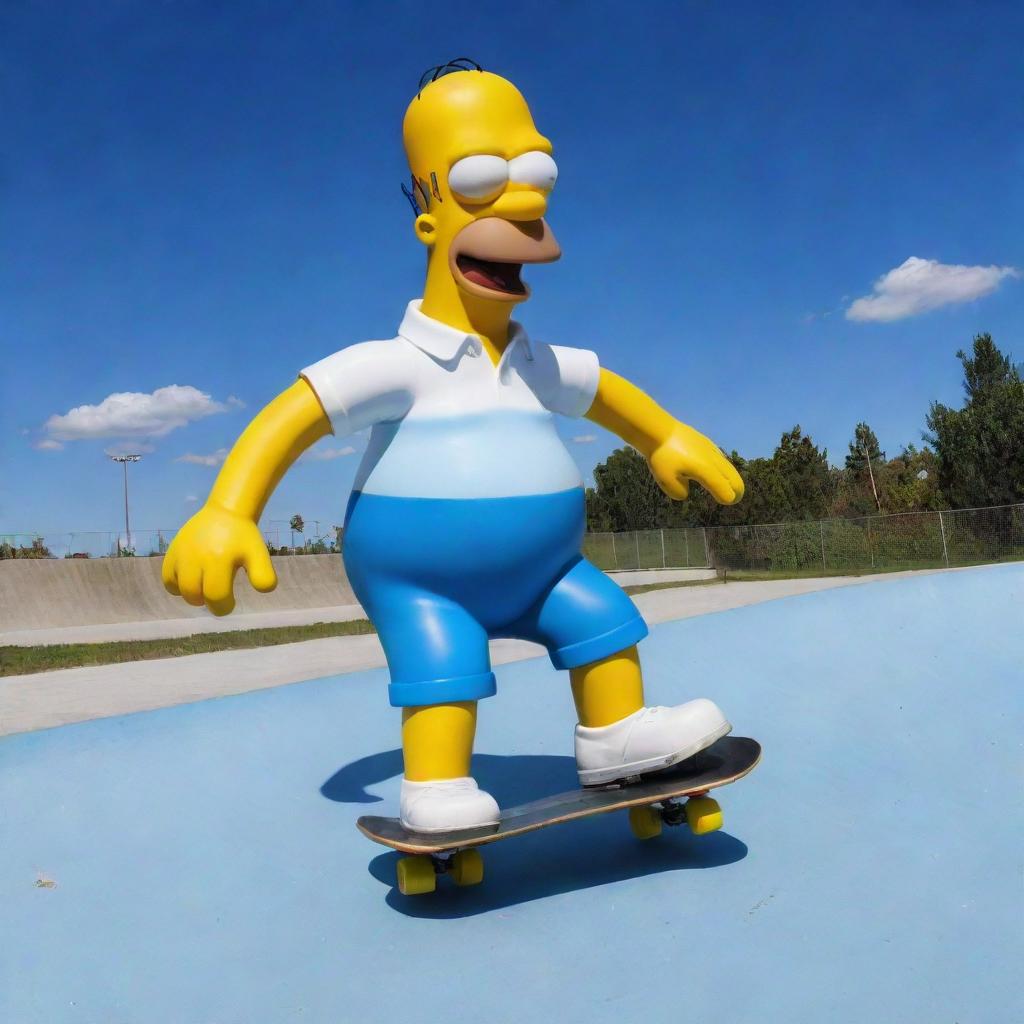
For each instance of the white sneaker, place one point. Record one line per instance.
(446, 805)
(646, 741)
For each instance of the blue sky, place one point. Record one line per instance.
(206, 196)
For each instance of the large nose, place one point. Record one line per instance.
(520, 204)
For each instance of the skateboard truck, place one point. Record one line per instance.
(700, 812)
(418, 875)
(673, 812)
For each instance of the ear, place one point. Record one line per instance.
(426, 228)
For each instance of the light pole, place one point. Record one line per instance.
(124, 460)
(871, 473)
(277, 533)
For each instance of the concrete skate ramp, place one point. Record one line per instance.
(62, 596)
(201, 863)
(44, 593)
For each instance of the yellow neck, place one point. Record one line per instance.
(444, 301)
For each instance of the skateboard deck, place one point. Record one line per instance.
(652, 800)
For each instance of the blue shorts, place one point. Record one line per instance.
(438, 577)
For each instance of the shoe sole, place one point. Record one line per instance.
(602, 776)
(449, 828)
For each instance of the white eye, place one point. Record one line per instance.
(478, 177)
(535, 168)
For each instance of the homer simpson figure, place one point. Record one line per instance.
(467, 514)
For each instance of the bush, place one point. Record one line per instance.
(38, 549)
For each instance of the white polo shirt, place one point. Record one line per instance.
(447, 422)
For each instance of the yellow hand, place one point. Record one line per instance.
(675, 452)
(687, 455)
(208, 550)
(222, 536)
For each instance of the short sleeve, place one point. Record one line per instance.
(363, 384)
(565, 378)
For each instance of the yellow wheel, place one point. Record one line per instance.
(467, 867)
(703, 815)
(416, 875)
(645, 822)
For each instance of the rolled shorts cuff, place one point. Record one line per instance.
(598, 647)
(442, 691)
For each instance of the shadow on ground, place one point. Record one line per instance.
(516, 779)
(570, 857)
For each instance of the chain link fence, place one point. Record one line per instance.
(648, 549)
(113, 544)
(84, 544)
(913, 540)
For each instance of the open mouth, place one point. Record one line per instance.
(492, 274)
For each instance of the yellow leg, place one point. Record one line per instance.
(437, 740)
(607, 691)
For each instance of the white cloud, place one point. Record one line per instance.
(191, 499)
(809, 318)
(47, 445)
(584, 439)
(217, 457)
(135, 414)
(213, 459)
(235, 403)
(918, 286)
(326, 454)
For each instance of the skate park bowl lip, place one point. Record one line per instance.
(69, 600)
(201, 862)
(55, 593)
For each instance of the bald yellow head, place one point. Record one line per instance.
(483, 174)
(465, 113)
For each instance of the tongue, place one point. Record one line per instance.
(502, 277)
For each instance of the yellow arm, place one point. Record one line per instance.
(675, 452)
(222, 536)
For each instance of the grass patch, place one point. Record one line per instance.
(881, 569)
(26, 660)
(643, 588)
(764, 575)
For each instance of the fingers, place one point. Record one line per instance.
(201, 563)
(677, 487)
(703, 462)
(718, 475)
(190, 582)
(169, 574)
(733, 477)
(721, 488)
(218, 587)
(260, 568)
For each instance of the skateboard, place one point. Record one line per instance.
(668, 797)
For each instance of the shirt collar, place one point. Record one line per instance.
(446, 343)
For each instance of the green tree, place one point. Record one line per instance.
(863, 447)
(980, 447)
(863, 462)
(910, 482)
(795, 483)
(296, 525)
(805, 482)
(625, 495)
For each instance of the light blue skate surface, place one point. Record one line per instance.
(207, 867)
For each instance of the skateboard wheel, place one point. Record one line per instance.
(416, 875)
(645, 822)
(467, 867)
(703, 815)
